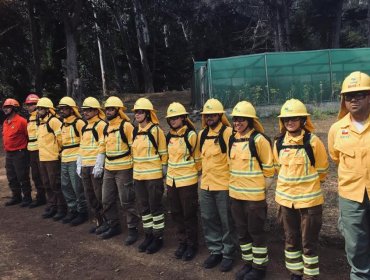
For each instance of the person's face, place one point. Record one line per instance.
(140, 115)
(357, 103)
(65, 111)
(111, 112)
(31, 107)
(89, 113)
(292, 124)
(176, 122)
(7, 110)
(240, 124)
(42, 112)
(212, 120)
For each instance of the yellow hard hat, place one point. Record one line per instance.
(67, 101)
(356, 81)
(176, 109)
(293, 108)
(91, 102)
(213, 106)
(143, 104)
(114, 101)
(244, 109)
(45, 102)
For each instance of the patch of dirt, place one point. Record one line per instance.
(34, 248)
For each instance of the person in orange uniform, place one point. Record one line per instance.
(16, 158)
(149, 154)
(348, 144)
(117, 180)
(33, 149)
(49, 139)
(71, 183)
(218, 226)
(301, 161)
(90, 161)
(251, 171)
(182, 179)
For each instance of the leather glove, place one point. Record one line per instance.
(269, 181)
(79, 166)
(164, 170)
(99, 166)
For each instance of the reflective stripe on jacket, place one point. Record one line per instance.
(350, 149)
(50, 142)
(298, 183)
(182, 167)
(70, 139)
(247, 180)
(32, 132)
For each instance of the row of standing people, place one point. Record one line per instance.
(236, 165)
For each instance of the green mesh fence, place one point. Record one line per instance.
(272, 78)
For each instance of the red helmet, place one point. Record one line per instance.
(11, 102)
(32, 98)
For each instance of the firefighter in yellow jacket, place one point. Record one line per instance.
(218, 226)
(90, 162)
(117, 180)
(251, 171)
(349, 140)
(150, 165)
(71, 183)
(301, 162)
(182, 179)
(50, 143)
(30, 104)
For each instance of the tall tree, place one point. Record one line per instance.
(337, 21)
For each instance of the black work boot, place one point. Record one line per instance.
(133, 235)
(155, 245)
(102, 228)
(49, 213)
(112, 231)
(226, 265)
(243, 271)
(144, 245)
(190, 253)
(212, 261)
(38, 202)
(59, 215)
(180, 250)
(255, 274)
(26, 201)
(14, 200)
(79, 219)
(70, 216)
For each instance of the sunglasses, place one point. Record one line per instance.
(293, 119)
(355, 95)
(87, 110)
(239, 119)
(139, 112)
(174, 118)
(210, 115)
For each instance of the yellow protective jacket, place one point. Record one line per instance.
(89, 146)
(350, 149)
(71, 141)
(32, 132)
(118, 153)
(49, 138)
(247, 180)
(147, 161)
(215, 166)
(298, 183)
(182, 167)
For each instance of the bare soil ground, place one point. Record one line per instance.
(33, 248)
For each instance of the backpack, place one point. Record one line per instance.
(150, 136)
(306, 145)
(92, 129)
(251, 144)
(123, 137)
(218, 138)
(74, 125)
(48, 127)
(186, 139)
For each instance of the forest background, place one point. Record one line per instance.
(85, 48)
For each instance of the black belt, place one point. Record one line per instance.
(70, 147)
(119, 156)
(32, 140)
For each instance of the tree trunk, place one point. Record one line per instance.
(335, 33)
(368, 23)
(71, 20)
(101, 59)
(143, 39)
(35, 34)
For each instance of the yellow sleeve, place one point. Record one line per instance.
(265, 154)
(162, 145)
(227, 133)
(198, 160)
(79, 125)
(334, 154)
(128, 129)
(56, 126)
(321, 157)
(276, 158)
(192, 137)
(101, 142)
